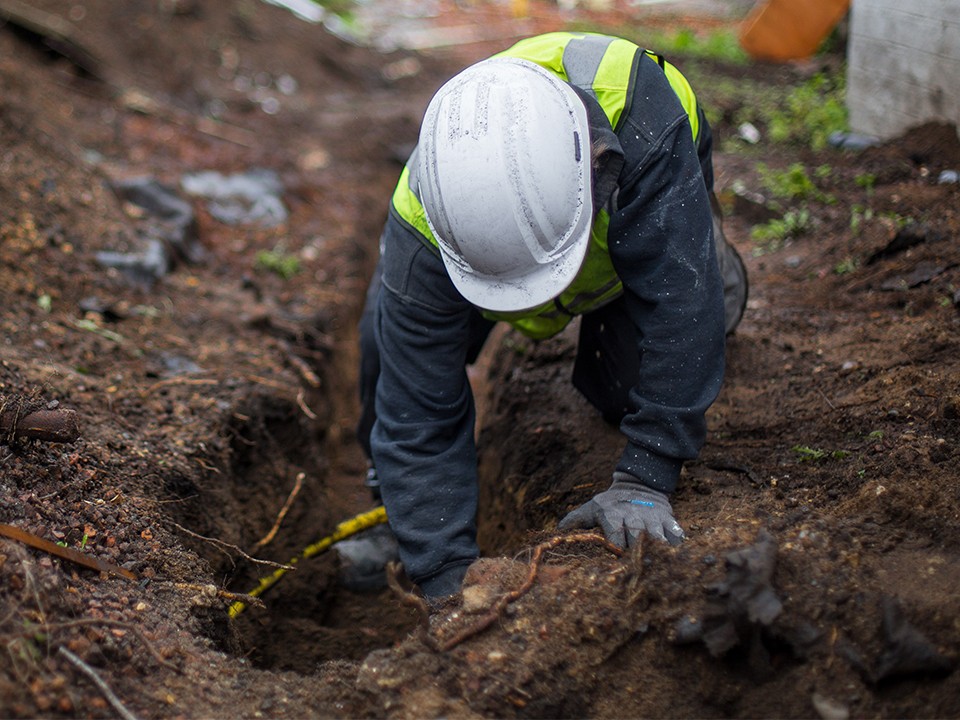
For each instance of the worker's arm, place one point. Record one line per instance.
(661, 244)
(422, 443)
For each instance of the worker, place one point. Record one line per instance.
(570, 175)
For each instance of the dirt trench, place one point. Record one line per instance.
(820, 573)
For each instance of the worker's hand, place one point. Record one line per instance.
(626, 510)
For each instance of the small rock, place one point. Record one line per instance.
(477, 598)
(948, 177)
(851, 140)
(829, 709)
(748, 132)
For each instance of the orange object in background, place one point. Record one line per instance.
(789, 29)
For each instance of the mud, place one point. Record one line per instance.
(821, 574)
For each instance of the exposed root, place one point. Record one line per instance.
(282, 514)
(412, 599)
(104, 689)
(221, 544)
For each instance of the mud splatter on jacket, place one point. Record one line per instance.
(653, 242)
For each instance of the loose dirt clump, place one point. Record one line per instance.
(199, 372)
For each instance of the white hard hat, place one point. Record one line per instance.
(504, 178)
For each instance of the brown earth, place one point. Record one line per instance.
(821, 577)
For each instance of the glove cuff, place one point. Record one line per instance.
(658, 471)
(623, 479)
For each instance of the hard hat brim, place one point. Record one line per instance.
(529, 291)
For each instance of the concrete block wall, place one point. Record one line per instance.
(903, 64)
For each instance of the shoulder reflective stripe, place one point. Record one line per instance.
(412, 181)
(581, 60)
(615, 78)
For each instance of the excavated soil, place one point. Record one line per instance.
(215, 403)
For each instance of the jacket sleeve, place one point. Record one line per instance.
(661, 245)
(423, 442)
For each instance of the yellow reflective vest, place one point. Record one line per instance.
(604, 67)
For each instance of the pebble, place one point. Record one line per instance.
(828, 708)
(948, 177)
(749, 133)
(851, 141)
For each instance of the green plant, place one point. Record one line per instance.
(279, 262)
(811, 112)
(867, 181)
(773, 235)
(793, 183)
(899, 221)
(845, 266)
(858, 215)
(808, 454)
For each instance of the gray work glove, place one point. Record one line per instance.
(626, 510)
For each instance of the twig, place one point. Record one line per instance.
(101, 685)
(35, 541)
(137, 101)
(221, 543)
(824, 396)
(411, 599)
(179, 381)
(270, 384)
(117, 624)
(309, 375)
(303, 406)
(230, 597)
(282, 514)
(497, 608)
(57, 34)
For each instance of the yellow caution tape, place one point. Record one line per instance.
(344, 530)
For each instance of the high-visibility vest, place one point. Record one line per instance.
(602, 66)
